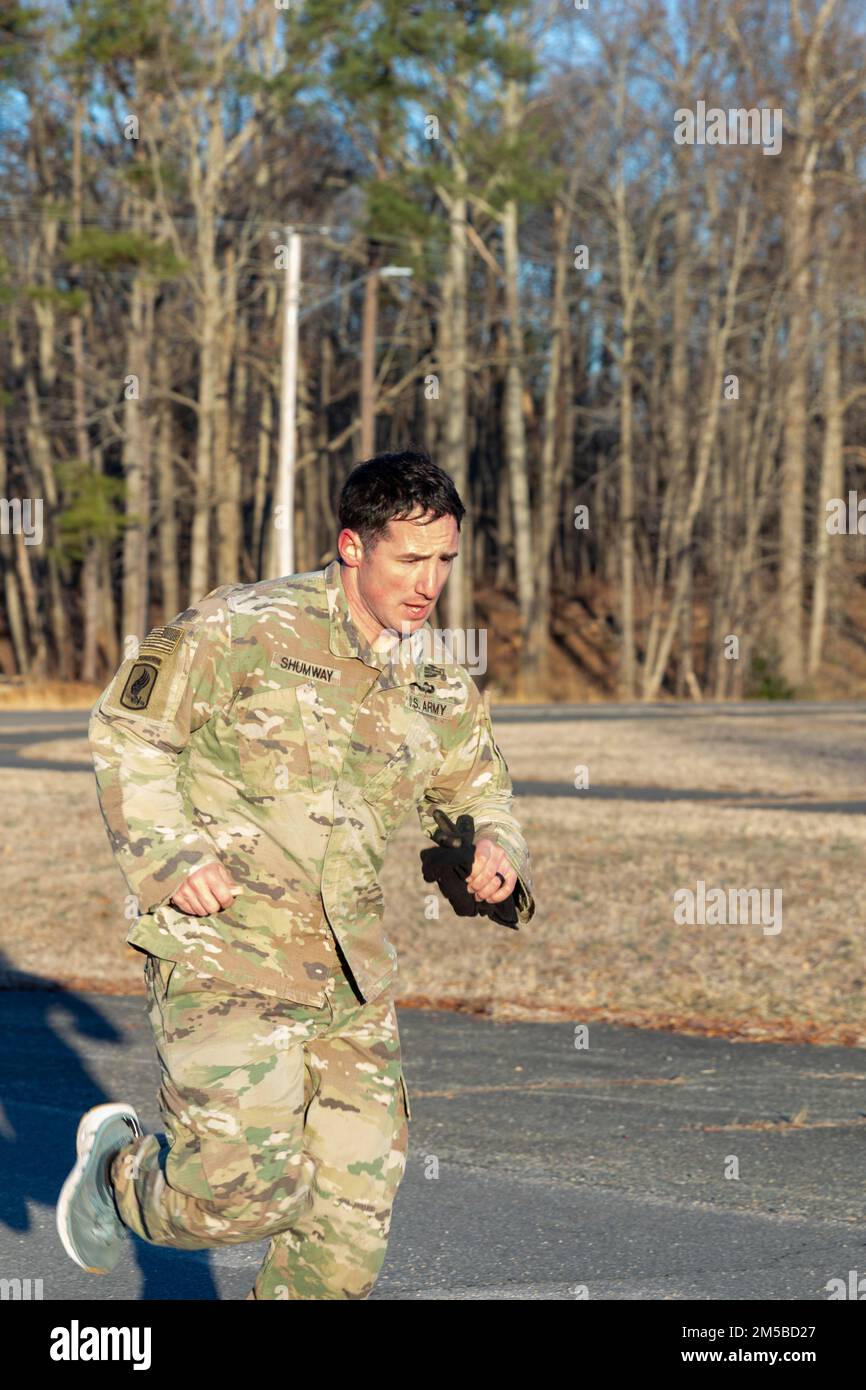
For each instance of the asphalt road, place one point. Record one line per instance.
(557, 1167)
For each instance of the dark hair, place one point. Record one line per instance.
(390, 487)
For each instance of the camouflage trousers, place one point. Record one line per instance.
(281, 1120)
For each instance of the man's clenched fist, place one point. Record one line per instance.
(207, 890)
(483, 881)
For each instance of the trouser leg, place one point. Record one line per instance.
(356, 1135)
(231, 1166)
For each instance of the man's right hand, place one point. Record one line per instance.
(205, 891)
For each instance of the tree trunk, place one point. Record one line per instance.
(91, 600)
(549, 491)
(515, 439)
(167, 537)
(457, 598)
(136, 465)
(369, 322)
(799, 250)
(226, 479)
(707, 441)
(832, 465)
(199, 574)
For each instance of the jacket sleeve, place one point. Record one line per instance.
(474, 780)
(138, 730)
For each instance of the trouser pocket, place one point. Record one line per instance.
(186, 1169)
(236, 1131)
(157, 977)
(210, 1157)
(157, 973)
(406, 1105)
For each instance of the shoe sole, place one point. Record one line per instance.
(87, 1129)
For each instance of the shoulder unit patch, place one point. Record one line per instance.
(139, 685)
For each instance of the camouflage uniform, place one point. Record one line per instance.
(262, 730)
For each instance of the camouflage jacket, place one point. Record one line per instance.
(261, 729)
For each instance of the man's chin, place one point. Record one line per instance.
(405, 622)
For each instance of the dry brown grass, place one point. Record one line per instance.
(17, 694)
(603, 943)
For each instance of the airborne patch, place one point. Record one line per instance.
(139, 685)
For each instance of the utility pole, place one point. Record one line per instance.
(283, 552)
(281, 555)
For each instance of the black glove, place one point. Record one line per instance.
(450, 866)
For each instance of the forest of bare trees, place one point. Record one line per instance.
(634, 340)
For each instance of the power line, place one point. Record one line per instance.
(279, 224)
(402, 243)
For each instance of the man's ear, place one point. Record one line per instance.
(350, 547)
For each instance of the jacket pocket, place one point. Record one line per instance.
(323, 772)
(402, 782)
(273, 742)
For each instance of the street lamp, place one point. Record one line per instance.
(391, 271)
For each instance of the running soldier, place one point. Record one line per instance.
(252, 761)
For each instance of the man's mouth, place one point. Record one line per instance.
(416, 609)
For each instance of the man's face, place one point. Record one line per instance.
(396, 584)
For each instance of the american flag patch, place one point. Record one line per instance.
(160, 641)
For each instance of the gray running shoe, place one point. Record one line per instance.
(87, 1219)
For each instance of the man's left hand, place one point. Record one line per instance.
(482, 881)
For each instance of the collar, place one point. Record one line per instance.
(397, 660)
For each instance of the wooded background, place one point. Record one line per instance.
(153, 154)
